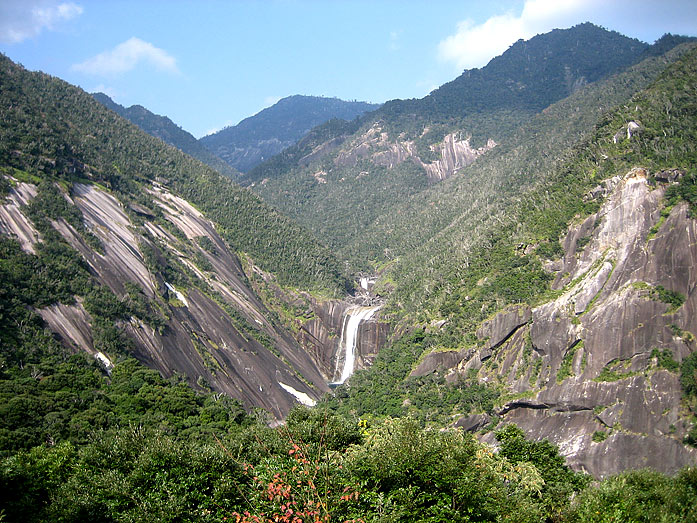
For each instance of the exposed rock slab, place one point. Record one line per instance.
(588, 367)
(202, 338)
(13, 223)
(454, 153)
(72, 324)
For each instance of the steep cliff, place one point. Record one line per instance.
(584, 369)
(216, 331)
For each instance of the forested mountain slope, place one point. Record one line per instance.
(570, 311)
(259, 137)
(568, 307)
(342, 185)
(124, 245)
(166, 130)
(529, 76)
(75, 136)
(451, 216)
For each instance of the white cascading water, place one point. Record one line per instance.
(349, 337)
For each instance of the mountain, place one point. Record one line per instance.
(339, 184)
(122, 245)
(547, 284)
(166, 130)
(529, 76)
(553, 290)
(259, 137)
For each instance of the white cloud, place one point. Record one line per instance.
(22, 19)
(125, 57)
(473, 45)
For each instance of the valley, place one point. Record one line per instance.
(467, 307)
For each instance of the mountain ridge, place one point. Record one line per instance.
(275, 128)
(165, 129)
(394, 148)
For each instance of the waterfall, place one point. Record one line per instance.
(349, 338)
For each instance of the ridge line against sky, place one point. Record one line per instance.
(210, 64)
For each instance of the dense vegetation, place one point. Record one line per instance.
(166, 130)
(370, 213)
(80, 443)
(529, 76)
(52, 129)
(321, 467)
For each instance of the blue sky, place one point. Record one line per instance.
(207, 64)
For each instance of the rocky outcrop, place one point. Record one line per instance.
(454, 155)
(374, 144)
(12, 222)
(438, 360)
(362, 146)
(498, 329)
(584, 363)
(217, 333)
(492, 334)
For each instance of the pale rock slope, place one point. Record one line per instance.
(584, 363)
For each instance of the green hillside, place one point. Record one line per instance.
(354, 199)
(166, 130)
(55, 130)
(475, 266)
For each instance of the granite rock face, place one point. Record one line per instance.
(210, 332)
(584, 363)
(321, 336)
(452, 154)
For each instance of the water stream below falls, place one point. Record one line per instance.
(349, 339)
